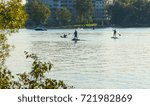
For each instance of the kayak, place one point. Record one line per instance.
(63, 36)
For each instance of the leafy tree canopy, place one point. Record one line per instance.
(12, 15)
(130, 12)
(38, 11)
(63, 15)
(84, 10)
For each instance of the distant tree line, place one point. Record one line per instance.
(40, 13)
(126, 13)
(129, 13)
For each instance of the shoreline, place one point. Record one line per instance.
(87, 27)
(65, 27)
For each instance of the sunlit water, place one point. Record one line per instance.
(97, 61)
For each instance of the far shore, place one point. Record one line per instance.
(87, 27)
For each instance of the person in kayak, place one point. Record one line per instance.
(64, 35)
(75, 35)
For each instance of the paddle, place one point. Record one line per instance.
(119, 34)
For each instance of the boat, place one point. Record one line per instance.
(114, 37)
(40, 29)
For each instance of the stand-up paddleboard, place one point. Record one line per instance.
(75, 39)
(114, 37)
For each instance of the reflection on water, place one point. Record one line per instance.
(97, 61)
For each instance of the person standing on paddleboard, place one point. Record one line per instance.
(114, 35)
(115, 32)
(75, 34)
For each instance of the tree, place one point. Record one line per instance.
(36, 79)
(13, 17)
(130, 12)
(116, 12)
(63, 15)
(84, 10)
(38, 12)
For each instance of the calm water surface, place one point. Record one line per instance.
(95, 62)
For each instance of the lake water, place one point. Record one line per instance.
(97, 61)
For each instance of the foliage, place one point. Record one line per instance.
(36, 79)
(12, 17)
(84, 11)
(6, 78)
(38, 11)
(130, 12)
(63, 15)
